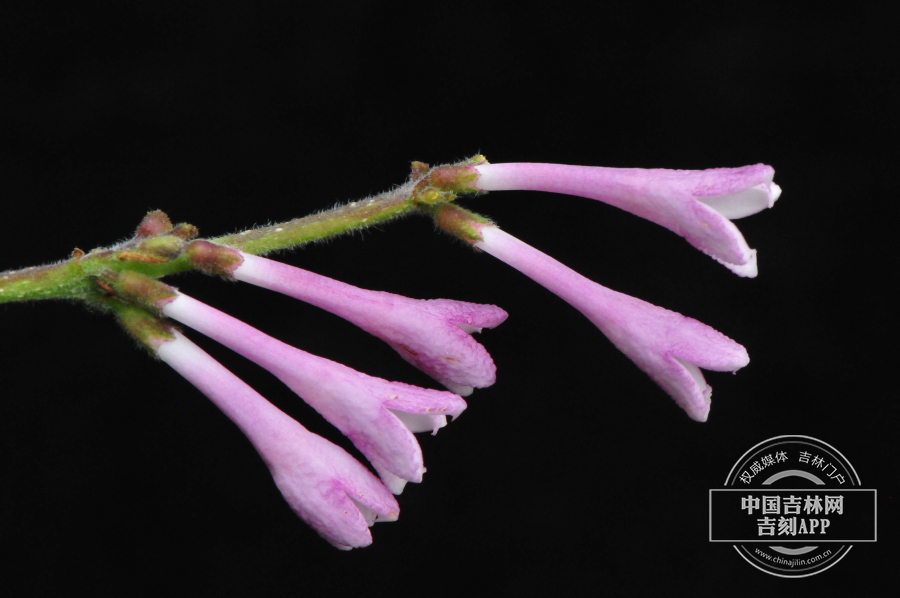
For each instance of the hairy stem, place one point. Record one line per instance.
(159, 249)
(353, 216)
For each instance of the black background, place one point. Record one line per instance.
(573, 473)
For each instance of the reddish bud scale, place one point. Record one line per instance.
(213, 259)
(139, 289)
(185, 231)
(154, 224)
(459, 222)
(419, 169)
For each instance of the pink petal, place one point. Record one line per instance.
(325, 486)
(669, 347)
(364, 408)
(696, 204)
(433, 335)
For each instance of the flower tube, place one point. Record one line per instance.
(434, 335)
(669, 347)
(696, 204)
(378, 416)
(326, 487)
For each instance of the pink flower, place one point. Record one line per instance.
(433, 335)
(696, 204)
(326, 487)
(378, 416)
(669, 347)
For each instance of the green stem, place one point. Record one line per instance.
(353, 216)
(159, 249)
(53, 281)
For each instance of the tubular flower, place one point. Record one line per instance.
(325, 486)
(669, 347)
(433, 335)
(378, 416)
(696, 204)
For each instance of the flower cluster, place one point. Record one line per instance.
(326, 487)
(698, 205)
